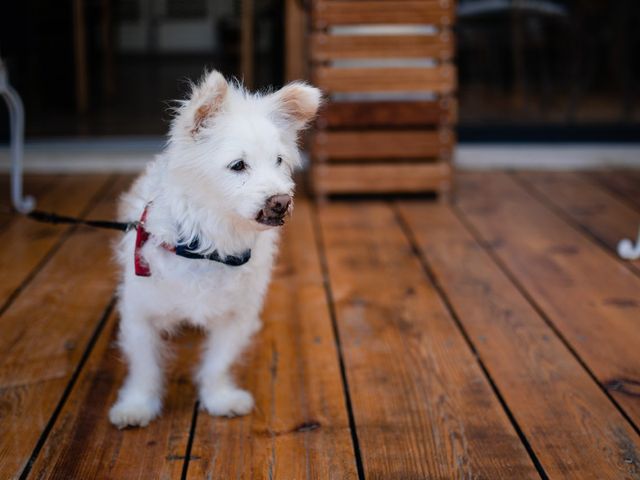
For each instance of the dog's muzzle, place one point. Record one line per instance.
(275, 210)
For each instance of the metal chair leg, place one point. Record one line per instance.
(16, 118)
(628, 250)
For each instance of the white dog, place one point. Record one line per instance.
(205, 245)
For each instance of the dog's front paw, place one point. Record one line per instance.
(227, 402)
(134, 412)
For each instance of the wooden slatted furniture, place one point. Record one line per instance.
(387, 126)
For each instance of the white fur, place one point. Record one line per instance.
(193, 194)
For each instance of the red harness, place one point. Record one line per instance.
(140, 263)
(186, 251)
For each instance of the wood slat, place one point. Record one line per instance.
(28, 242)
(587, 294)
(422, 407)
(573, 428)
(46, 329)
(326, 13)
(83, 444)
(624, 183)
(299, 428)
(439, 79)
(388, 114)
(381, 178)
(603, 215)
(324, 47)
(296, 24)
(367, 145)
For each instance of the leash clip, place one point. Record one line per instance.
(132, 226)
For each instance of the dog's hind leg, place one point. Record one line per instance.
(218, 393)
(140, 398)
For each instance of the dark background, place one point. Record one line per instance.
(130, 88)
(539, 70)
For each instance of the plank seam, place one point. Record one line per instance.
(192, 434)
(432, 278)
(320, 247)
(480, 240)
(562, 215)
(93, 201)
(68, 388)
(623, 197)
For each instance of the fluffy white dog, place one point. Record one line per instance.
(204, 248)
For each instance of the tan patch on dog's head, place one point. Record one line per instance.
(208, 97)
(201, 115)
(298, 103)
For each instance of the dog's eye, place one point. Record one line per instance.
(238, 166)
(279, 160)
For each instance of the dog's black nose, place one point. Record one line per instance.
(278, 204)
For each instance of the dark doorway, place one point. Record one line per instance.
(111, 67)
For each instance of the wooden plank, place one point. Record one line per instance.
(422, 407)
(599, 212)
(587, 294)
(83, 444)
(28, 242)
(625, 183)
(247, 42)
(45, 331)
(388, 114)
(326, 13)
(299, 428)
(353, 145)
(544, 386)
(295, 26)
(381, 178)
(439, 79)
(312, 434)
(325, 47)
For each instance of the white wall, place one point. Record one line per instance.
(127, 155)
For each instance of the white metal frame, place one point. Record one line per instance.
(16, 120)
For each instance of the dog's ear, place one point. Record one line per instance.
(206, 99)
(296, 104)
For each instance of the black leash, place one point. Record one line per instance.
(186, 251)
(54, 218)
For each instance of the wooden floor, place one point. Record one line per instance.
(498, 338)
